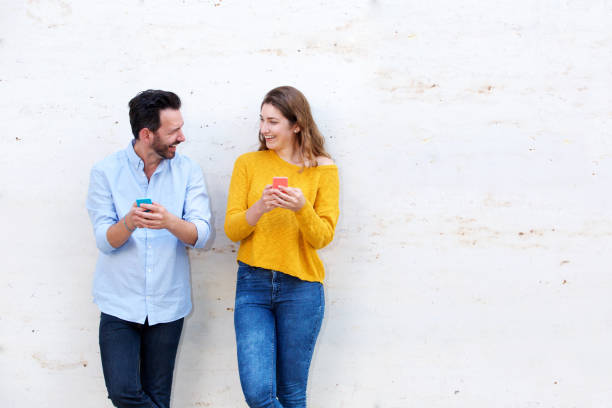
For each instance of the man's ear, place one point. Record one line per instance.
(145, 134)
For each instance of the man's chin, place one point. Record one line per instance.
(167, 154)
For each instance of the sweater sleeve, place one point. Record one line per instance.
(236, 226)
(318, 221)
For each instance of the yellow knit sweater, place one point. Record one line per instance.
(283, 240)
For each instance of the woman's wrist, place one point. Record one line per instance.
(260, 208)
(255, 212)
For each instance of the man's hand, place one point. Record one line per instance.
(156, 218)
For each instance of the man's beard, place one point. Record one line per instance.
(162, 149)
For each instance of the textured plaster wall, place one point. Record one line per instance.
(471, 263)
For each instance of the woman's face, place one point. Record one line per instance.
(276, 129)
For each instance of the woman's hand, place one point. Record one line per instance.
(290, 198)
(266, 203)
(268, 199)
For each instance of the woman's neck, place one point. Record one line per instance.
(290, 155)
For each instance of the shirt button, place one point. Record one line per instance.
(149, 270)
(149, 246)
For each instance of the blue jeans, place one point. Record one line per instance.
(138, 361)
(277, 319)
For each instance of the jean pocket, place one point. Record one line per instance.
(244, 270)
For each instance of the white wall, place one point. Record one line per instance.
(471, 264)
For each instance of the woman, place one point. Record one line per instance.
(279, 292)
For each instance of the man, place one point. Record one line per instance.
(141, 283)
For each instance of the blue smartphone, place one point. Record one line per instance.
(143, 201)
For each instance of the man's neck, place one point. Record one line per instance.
(150, 159)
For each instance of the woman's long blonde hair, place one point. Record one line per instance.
(293, 105)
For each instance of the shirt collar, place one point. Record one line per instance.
(134, 160)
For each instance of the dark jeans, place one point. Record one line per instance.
(138, 361)
(277, 320)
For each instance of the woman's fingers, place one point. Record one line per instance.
(283, 197)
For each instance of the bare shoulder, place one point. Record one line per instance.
(324, 161)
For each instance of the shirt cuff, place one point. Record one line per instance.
(102, 241)
(203, 233)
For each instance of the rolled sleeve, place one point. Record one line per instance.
(197, 206)
(101, 209)
(203, 233)
(101, 240)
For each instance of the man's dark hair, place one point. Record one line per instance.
(145, 107)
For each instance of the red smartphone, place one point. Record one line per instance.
(280, 181)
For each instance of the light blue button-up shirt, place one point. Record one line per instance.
(148, 276)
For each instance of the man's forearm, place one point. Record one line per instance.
(118, 233)
(184, 230)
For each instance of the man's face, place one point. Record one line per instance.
(169, 134)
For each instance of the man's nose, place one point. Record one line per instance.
(181, 136)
